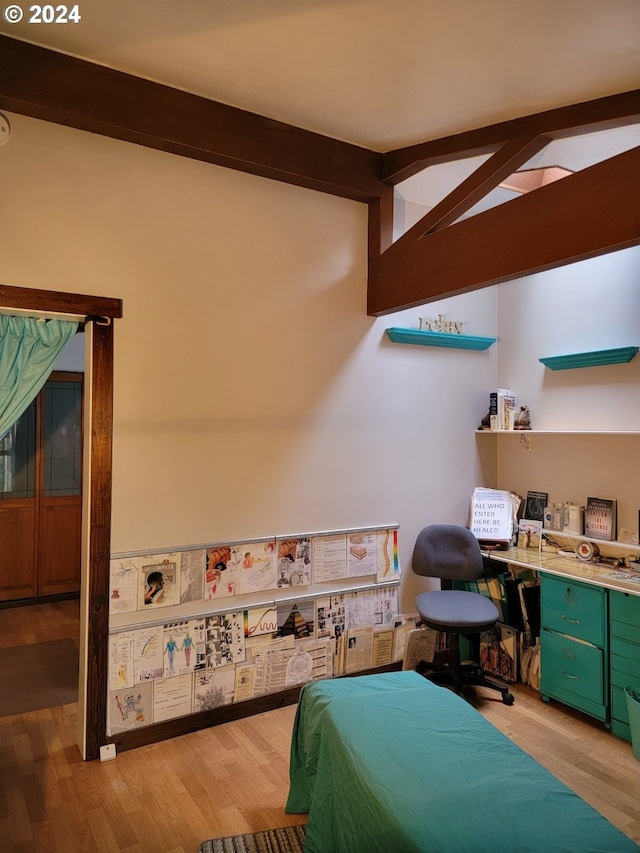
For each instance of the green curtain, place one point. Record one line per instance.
(28, 351)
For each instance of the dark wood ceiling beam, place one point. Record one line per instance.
(485, 178)
(55, 87)
(587, 214)
(600, 114)
(52, 302)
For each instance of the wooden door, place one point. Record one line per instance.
(40, 494)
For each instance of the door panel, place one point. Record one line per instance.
(17, 550)
(40, 494)
(59, 563)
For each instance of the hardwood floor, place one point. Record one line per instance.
(233, 778)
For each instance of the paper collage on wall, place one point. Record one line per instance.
(224, 571)
(161, 671)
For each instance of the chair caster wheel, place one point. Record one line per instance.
(508, 698)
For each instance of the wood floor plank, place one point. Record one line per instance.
(230, 779)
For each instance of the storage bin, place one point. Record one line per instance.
(633, 707)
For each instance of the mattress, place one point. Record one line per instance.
(395, 764)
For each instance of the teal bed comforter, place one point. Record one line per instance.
(392, 763)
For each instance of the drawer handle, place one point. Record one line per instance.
(573, 621)
(572, 677)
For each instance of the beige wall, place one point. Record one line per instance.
(252, 393)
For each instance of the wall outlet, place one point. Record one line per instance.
(107, 752)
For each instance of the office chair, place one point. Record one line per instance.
(452, 553)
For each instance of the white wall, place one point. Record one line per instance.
(592, 305)
(583, 307)
(252, 393)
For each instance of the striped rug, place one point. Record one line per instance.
(288, 839)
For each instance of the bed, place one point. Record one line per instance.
(395, 764)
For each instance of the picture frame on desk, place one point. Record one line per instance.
(529, 534)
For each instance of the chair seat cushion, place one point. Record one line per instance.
(457, 610)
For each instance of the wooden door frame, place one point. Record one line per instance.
(98, 313)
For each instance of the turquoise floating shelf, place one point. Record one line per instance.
(438, 339)
(620, 355)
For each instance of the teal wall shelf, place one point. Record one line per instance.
(438, 339)
(620, 355)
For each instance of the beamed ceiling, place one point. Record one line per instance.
(357, 97)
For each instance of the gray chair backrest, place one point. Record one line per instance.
(447, 551)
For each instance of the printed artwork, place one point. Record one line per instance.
(222, 572)
(192, 568)
(123, 585)
(147, 654)
(213, 688)
(184, 647)
(159, 581)
(225, 641)
(130, 708)
(294, 562)
(259, 570)
(362, 554)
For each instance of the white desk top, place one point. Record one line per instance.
(548, 562)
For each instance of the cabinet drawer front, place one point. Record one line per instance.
(625, 631)
(624, 607)
(572, 666)
(575, 609)
(623, 649)
(625, 672)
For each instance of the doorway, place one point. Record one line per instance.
(98, 314)
(41, 494)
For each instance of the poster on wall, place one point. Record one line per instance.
(225, 641)
(123, 585)
(130, 708)
(296, 619)
(362, 554)
(121, 660)
(159, 581)
(244, 678)
(388, 559)
(192, 566)
(294, 562)
(260, 620)
(359, 609)
(184, 647)
(148, 653)
(329, 557)
(222, 571)
(172, 697)
(213, 688)
(359, 649)
(259, 568)
(385, 607)
(330, 616)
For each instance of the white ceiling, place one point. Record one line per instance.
(379, 73)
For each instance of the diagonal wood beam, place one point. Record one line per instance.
(599, 114)
(587, 214)
(55, 87)
(485, 178)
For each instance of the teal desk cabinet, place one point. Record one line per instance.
(574, 659)
(624, 648)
